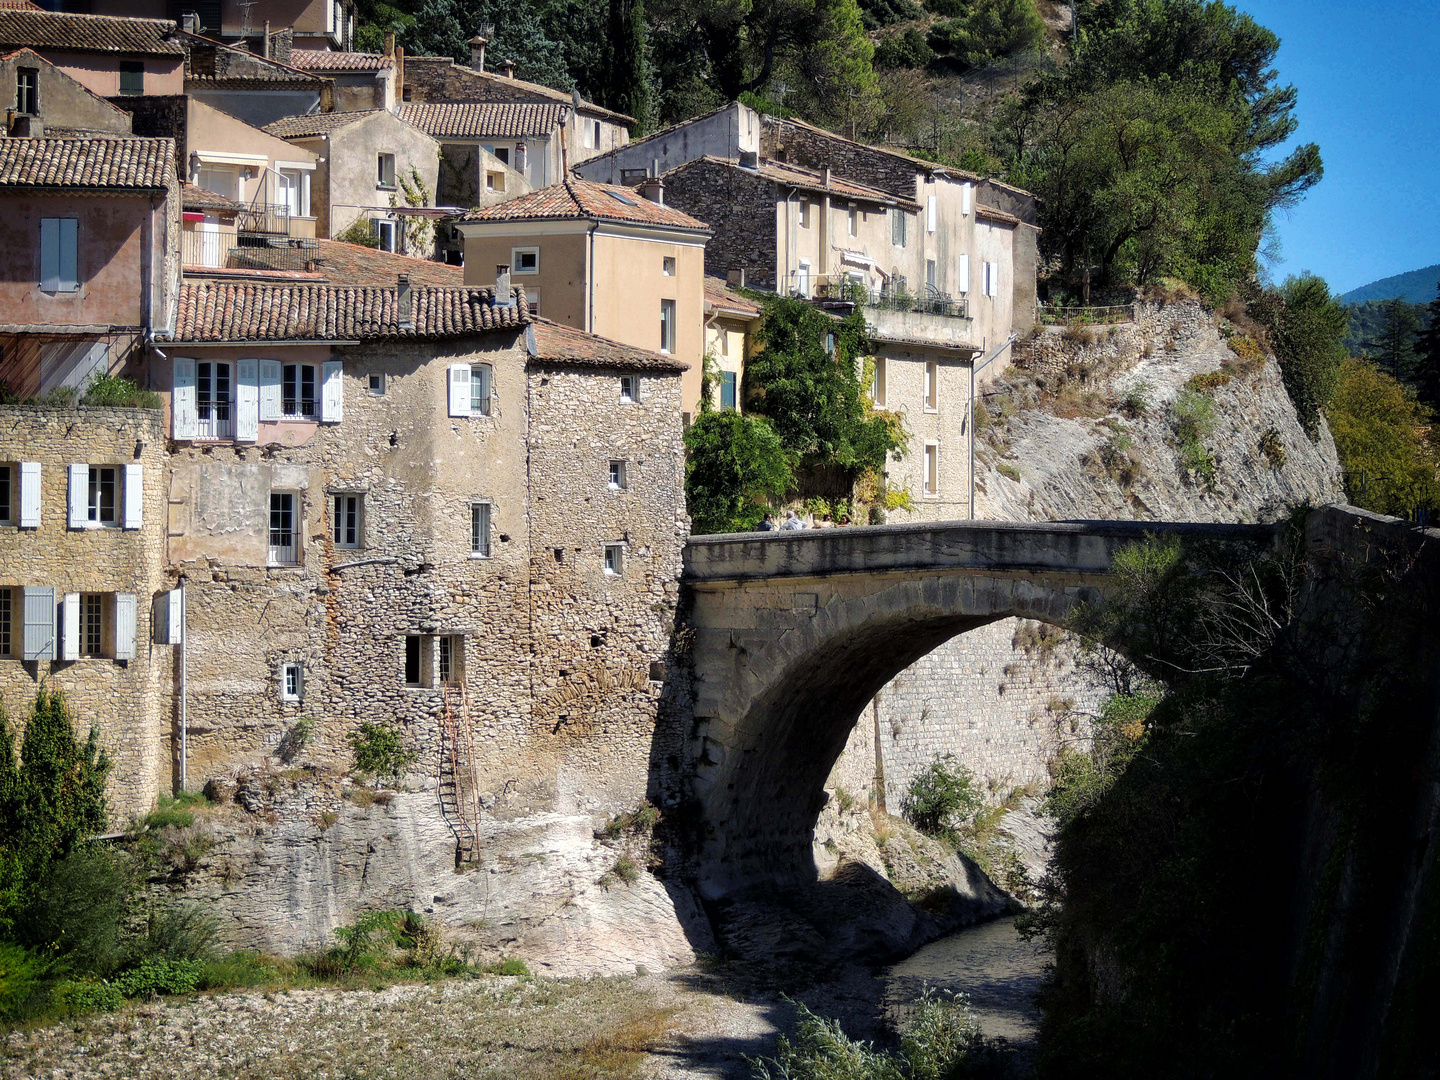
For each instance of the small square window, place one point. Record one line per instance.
(614, 559)
(525, 260)
(667, 266)
(617, 476)
(292, 682)
(629, 388)
(480, 529)
(385, 171)
(377, 383)
(346, 526)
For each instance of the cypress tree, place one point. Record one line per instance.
(1427, 356)
(629, 87)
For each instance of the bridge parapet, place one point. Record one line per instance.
(1066, 547)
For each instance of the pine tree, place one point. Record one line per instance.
(1394, 347)
(1427, 356)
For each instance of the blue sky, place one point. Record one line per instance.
(1369, 81)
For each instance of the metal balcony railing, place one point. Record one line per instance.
(846, 289)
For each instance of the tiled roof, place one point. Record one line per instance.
(538, 89)
(96, 163)
(557, 344)
(484, 119)
(351, 264)
(920, 164)
(994, 214)
(88, 33)
(290, 127)
(221, 311)
(719, 294)
(320, 60)
(19, 5)
(792, 176)
(194, 197)
(236, 68)
(575, 198)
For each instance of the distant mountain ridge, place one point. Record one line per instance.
(1417, 286)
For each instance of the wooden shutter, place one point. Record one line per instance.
(182, 399)
(964, 285)
(50, 254)
(134, 495)
(124, 626)
(332, 391)
(459, 381)
(271, 374)
(29, 494)
(79, 496)
(70, 627)
(69, 254)
(247, 400)
(930, 214)
(166, 620)
(39, 622)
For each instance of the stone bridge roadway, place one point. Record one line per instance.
(794, 632)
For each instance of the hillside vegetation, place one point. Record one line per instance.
(1415, 286)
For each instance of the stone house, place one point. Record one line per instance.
(526, 137)
(89, 255)
(364, 163)
(110, 56)
(253, 87)
(48, 100)
(731, 322)
(361, 81)
(603, 259)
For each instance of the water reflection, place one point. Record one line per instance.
(990, 965)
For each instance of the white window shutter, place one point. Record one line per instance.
(930, 214)
(70, 627)
(247, 400)
(69, 254)
(964, 285)
(79, 496)
(30, 494)
(124, 626)
(182, 399)
(50, 254)
(134, 495)
(271, 373)
(280, 680)
(459, 389)
(39, 622)
(965, 193)
(166, 618)
(332, 391)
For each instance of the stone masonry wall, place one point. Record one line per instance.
(740, 209)
(129, 701)
(812, 149)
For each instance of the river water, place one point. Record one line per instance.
(998, 972)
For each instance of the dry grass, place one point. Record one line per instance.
(621, 1051)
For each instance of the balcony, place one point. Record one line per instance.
(842, 289)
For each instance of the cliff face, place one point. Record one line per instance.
(1087, 429)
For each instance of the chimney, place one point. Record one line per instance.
(404, 303)
(575, 98)
(827, 177)
(190, 22)
(477, 51)
(507, 68)
(503, 296)
(400, 72)
(749, 159)
(652, 188)
(735, 277)
(390, 43)
(265, 42)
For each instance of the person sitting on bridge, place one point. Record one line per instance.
(768, 523)
(822, 521)
(792, 522)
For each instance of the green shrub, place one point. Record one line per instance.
(159, 975)
(378, 750)
(986, 30)
(84, 996)
(22, 975)
(942, 796)
(241, 969)
(177, 811)
(644, 817)
(507, 967)
(360, 232)
(735, 466)
(181, 931)
(74, 911)
(116, 391)
(1208, 380)
(1272, 448)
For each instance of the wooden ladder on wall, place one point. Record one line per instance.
(459, 785)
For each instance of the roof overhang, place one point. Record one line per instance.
(226, 157)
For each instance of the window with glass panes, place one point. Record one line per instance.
(283, 545)
(727, 389)
(298, 391)
(6, 506)
(450, 660)
(480, 390)
(103, 497)
(480, 528)
(213, 397)
(6, 614)
(345, 521)
(92, 623)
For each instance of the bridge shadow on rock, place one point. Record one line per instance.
(786, 637)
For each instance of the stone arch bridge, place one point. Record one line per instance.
(794, 632)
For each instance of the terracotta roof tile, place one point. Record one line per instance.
(719, 294)
(194, 197)
(89, 33)
(537, 89)
(97, 163)
(575, 198)
(291, 127)
(557, 344)
(221, 311)
(484, 119)
(321, 60)
(351, 264)
(994, 214)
